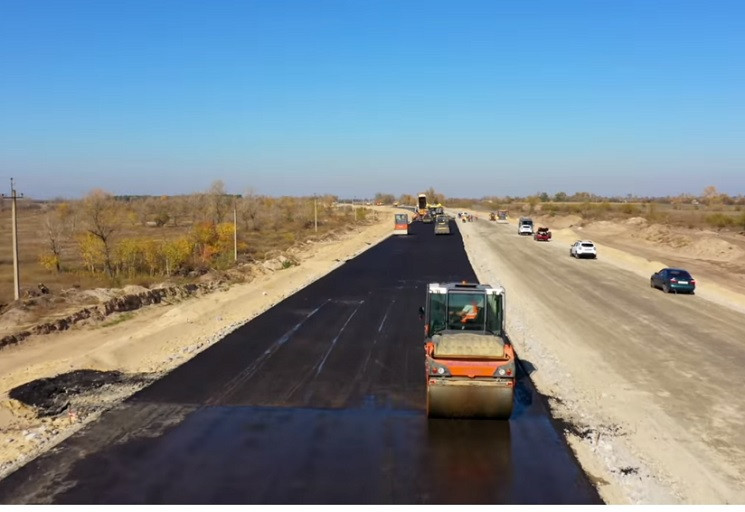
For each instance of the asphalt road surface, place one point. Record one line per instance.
(318, 400)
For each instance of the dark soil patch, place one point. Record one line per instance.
(51, 396)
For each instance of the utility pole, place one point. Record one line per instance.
(14, 229)
(235, 231)
(315, 212)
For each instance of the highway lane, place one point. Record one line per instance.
(318, 400)
(679, 353)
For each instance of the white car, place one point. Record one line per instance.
(525, 229)
(583, 249)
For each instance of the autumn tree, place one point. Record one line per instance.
(711, 195)
(219, 201)
(91, 251)
(434, 197)
(248, 209)
(407, 199)
(176, 253)
(58, 225)
(101, 219)
(380, 197)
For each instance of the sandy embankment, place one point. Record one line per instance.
(617, 434)
(153, 342)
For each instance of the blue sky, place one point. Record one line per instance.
(356, 97)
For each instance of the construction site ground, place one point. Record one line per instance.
(646, 383)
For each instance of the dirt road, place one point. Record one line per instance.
(651, 382)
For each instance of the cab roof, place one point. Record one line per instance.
(464, 287)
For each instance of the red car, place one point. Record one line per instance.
(542, 235)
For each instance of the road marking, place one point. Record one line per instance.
(336, 338)
(380, 328)
(251, 369)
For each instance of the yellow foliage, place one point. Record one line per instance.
(92, 251)
(176, 253)
(225, 233)
(49, 260)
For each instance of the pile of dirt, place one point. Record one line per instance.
(558, 221)
(659, 234)
(54, 395)
(712, 248)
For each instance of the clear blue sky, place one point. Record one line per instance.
(356, 97)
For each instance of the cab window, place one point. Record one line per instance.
(466, 311)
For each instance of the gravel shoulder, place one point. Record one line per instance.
(648, 384)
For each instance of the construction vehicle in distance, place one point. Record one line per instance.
(400, 224)
(502, 216)
(435, 209)
(422, 209)
(442, 225)
(469, 362)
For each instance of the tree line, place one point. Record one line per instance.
(125, 236)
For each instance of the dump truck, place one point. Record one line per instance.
(469, 363)
(400, 224)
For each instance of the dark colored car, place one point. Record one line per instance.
(673, 280)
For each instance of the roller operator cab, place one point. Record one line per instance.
(469, 363)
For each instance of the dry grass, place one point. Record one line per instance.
(280, 225)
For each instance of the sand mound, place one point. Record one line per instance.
(662, 235)
(636, 221)
(712, 248)
(14, 317)
(565, 221)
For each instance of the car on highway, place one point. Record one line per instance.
(583, 249)
(673, 280)
(525, 226)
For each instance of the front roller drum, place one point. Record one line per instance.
(470, 399)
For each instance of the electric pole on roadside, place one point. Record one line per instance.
(235, 231)
(14, 229)
(315, 212)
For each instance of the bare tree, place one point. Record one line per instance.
(197, 206)
(220, 201)
(248, 209)
(101, 218)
